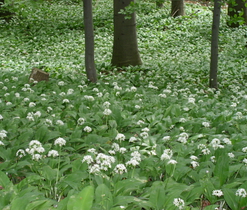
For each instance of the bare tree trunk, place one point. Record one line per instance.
(213, 82)
(234, 8)
(177, 8)
(89, 41)
(125, 47)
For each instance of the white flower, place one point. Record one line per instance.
(206, 124)
(194, 164)
(120, 137)
(3, 135)
(244, 149)
(215, 143)
(92, 150)
(60, 141)
(201, 146)
(137, 106)
(231, 155)
(183, 137)
(80, 121)
(227, 141)
(136, 156)
(193, 157)
(30, 116)
(60, 122)
(37, 157)
(20, 153)
(206, 151)
(115, 147)
(32, 104)
(49, 109)
(144, 135)
(182, 120)
(88, 159)
(1, 143)
(217, 193)
(106, 104)
(35, 143)
(245, 161)
(133, 139)
(62, 94)
(99, 94)
(61, 83)
(89, 98)
(241, 193)
(191, 100)
(120, 169)
(8, 103)
(166, 138)
(133, 89)
(48, 122)
(173, 162)
(213, 159)
(178, 202)
(122, 150)
(140, 122)
(70, 91)
(107, 112)
(145, 129)
(38, 114)
(94, 169)
(53, 153)
(132, 162)
(87, 129)
(1, 117)
(167, 154)
(65, 100)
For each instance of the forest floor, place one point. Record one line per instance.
(148, 137)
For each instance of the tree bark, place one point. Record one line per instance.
(213, 82)
(125, 47)
(234, 7)
(89, 41)
(177, 8)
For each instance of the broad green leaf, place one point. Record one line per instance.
(103, 197)
(230, 198)
(82, 201)
(4, 180)
(221, 169)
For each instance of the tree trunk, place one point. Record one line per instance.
(213, 82)
(234, 8)
(89, 41)
(125, 47)
(177, 8)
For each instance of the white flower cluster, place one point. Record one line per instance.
(31, 115)
(102, 162)
(89, 98)
(3, 134)
(135, 159)
(120, 169)
(241, 193)
(217, 193)
(116, 148)
(178, 202)
(216, 143)
(183, 137)
(34, 149)
(120, 137)
(60, 141)
(167, 154)
(194, 163)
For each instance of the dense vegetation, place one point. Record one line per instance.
(149, 137)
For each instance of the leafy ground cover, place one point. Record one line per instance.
(150, 137)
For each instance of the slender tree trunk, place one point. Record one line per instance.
(89, 41)
(177, 8)
(213, 82)
(125, 47)
(234, 8)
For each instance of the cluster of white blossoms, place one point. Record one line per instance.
(3, 134)
(120, 137)
(241, 193)
(120, 169)
(194, 163)
(107, 112)
(87, 129)
(167, 154)
(116, 148)
(1, 117)
(216, 143)
(31, 115)
(35, 149)
(206, 124)
(183, 137)
(60, 141)
(89, 98)
(80, 121)
(204, 149)
(178, 202)
(135, 159)
(101, 162)
(217, 193)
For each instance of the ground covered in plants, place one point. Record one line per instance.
(151, 137)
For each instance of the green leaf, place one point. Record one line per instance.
(103, 197)
(82, 201)
(222, 165)
(4, 180)
(157, 193)
(230, 198)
